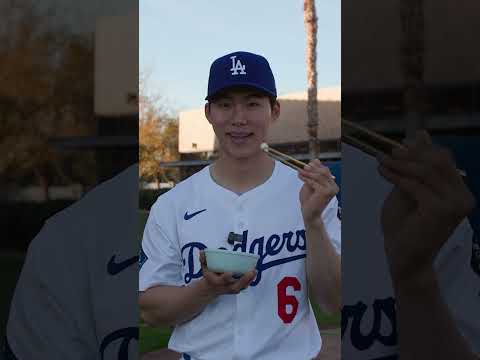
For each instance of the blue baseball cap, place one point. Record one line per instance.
(241, 69)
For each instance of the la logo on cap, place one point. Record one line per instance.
(236, 66)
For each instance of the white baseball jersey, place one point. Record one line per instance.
(76, 297)
(270, 320)
(368, 315)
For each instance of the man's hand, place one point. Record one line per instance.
(316, 193)
(224, 283)
(427, 203)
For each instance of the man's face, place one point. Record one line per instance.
(240, 119)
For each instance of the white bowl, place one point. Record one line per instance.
(236, 262)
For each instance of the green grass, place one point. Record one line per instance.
(324, 320)
(152, 339)
(142, 217)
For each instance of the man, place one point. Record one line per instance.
(289, 219)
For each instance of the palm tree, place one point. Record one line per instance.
(310, 19)
(412, 57)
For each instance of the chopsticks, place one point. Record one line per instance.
(284, 158)
(379, 137)
(382, 140)
(350, 140)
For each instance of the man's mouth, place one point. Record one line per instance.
(239, 135)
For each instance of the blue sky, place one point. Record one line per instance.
(180, 39)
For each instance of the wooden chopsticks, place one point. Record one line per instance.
(376, 137)
(379, 137)
(284, 158)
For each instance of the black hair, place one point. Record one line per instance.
(272, 99)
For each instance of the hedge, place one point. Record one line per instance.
(146, 198)
(21, 221)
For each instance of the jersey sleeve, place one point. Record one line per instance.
(160, 255)
(333, 225)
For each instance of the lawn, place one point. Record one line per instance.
(142, 215)
(151, 339)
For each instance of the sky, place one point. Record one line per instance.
(180, 39)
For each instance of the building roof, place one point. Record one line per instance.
(196, 134)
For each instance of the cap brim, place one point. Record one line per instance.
(243, 84)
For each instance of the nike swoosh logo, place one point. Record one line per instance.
(188, 216)
(113, 268)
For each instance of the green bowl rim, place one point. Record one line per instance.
(238, 253)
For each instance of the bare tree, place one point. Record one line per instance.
(310, 19)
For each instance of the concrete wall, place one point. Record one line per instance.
(116, 66)
(194, 129)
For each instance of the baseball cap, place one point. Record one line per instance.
(241, 68)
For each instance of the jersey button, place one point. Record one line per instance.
(241, 224)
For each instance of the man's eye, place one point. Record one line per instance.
(253, 104)
(224, 105)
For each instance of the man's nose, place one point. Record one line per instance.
(238, 117)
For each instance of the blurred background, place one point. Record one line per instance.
(63, 130)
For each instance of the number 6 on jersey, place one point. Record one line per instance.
(284, 299)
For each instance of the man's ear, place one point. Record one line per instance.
(207, 112)
(275, 110)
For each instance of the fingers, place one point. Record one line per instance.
(423, 162)
(317, 172)
(243, 282)
(413, 170)
(427, 173)
(225, 283)
(421, 149)
(318, 177)
(316, 167)
(203, 260)
(214, 278)
(415, 189)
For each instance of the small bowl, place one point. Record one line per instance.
(236, 262)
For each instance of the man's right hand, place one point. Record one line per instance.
(428, 201)
(224, 283)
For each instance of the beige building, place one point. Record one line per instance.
(198, 145)
(373, 77)
(116, 69)
(374, 42)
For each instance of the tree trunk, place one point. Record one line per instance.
(310, 19)
(412, 20)
(44, 184)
